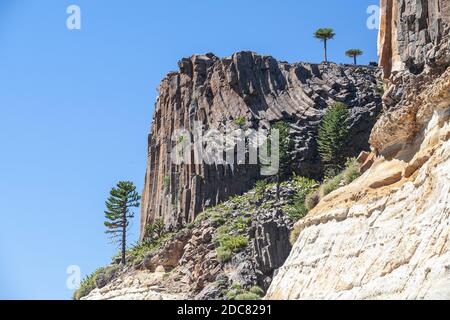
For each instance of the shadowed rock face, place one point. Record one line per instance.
(216, 92)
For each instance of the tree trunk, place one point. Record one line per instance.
(354, 57)
(325, 50)
(124, 236)
(278, 187)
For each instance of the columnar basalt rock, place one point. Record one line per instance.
(216, 92)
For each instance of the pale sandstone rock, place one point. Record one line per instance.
(137, 285)
(393, 247)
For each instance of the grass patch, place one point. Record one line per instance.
(347, 176)
(294, 235)
(247, 296)
(329, 185)
(89, 283)
(137, 252)
(312, 200)
(236, 292)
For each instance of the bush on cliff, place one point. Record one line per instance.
(296, 209)
(155, 230)
(350, 173)
(347, 176)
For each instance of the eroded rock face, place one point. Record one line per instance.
(414, 49)
(386, 235)
(413, 35)
(260, 89)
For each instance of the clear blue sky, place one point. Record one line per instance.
(76, 107)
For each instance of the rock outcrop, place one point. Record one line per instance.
(188, 265)
(387, 235)
(260, 90)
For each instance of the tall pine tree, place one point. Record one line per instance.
(333, 137)
(118, 213)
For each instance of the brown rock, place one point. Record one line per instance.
(368, 162)
(387, 180)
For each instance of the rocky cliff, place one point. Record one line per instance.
(386, 235)
(230, 250)
(216, 92)
(383, 236)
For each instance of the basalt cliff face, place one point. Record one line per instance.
(386, 235)
(261, 90)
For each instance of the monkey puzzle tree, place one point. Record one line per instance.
(121, 199)
(286, 146)
(353, 53)
(324, 34)
(333, 137)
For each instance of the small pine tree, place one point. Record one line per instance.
(286, 146)
(118, 213)
(333, 137)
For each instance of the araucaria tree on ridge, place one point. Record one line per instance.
(118, 214)
(353, 53)
(324, 34)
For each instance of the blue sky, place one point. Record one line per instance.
(76, 107)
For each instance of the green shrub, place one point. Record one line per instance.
(236, 292)
(240, 122)
(229, 244)
(89, 282)
(224, 254)
(351, 171)
(348, 175)
(247, 296)
(257, 290)
(234, 243)
(329, 185)
(218, 218)
(297, 209)
(166, 182)
(240, 224)
(155, 230)
(141, 249)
